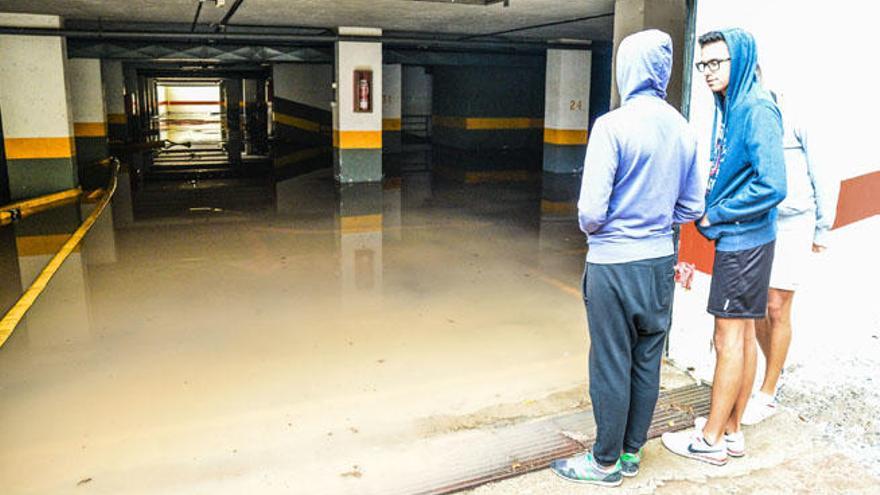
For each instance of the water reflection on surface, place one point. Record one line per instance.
(270, 349)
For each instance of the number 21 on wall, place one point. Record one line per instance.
(576, 105)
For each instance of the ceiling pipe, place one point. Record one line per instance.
(229, 14)
(257, 38)
(196, 17)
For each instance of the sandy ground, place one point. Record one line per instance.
(784, 455)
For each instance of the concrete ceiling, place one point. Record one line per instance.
(391, 15)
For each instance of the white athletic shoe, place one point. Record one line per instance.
(736, 442)
(691, 444)
(760, 407)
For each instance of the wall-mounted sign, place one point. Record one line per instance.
(363, 91)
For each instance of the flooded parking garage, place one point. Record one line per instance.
(346, 259)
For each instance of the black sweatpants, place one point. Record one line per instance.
(628, 311)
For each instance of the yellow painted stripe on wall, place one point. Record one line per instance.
(24, 148)
(306, 125)
(488, 123)
(498, 123)
(299, 156)
(357, 140)
(40, 245)
(558, 207)
(390, 124)
(565, 136)
(90, 129)
(499, 176)
(360, 223)
(116, 118)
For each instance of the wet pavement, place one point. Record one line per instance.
(288, 348)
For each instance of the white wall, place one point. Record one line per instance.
(819, 55)
(391, 91)
(86, 89)
(114, 86)
(308, 84)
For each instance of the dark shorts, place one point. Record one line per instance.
(740, 280)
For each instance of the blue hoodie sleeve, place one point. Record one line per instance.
(691, 198)
(766, 188)
(600, 168)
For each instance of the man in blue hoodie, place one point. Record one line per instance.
(640, 178)
(746, 182)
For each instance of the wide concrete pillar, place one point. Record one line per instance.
(566, 110)
(670, 16)
(357, 122)
(89, 120)
(392, 82)
(301, 112)
(114, 100)
(37, 122)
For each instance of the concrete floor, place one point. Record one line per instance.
(272, 352)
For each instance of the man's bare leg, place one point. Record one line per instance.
(726, 384)
(750, 365)
(774, 336)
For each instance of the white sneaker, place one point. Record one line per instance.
(760, 407)
(735, 442)
(691, 444)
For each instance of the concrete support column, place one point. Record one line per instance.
(357, 135)
(114, 100)
(301, 96)
(670, 16)
(132, 107)
(89, 124)
(233, 98)
(255, 117)
(392, 82)
(566, 110)
(37, 122)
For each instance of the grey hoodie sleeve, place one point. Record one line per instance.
(691, 198)
(600, 167)
(825, 188)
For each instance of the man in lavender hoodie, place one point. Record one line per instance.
(640, 178)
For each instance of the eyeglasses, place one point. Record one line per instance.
(713, 65)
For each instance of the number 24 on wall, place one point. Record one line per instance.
(575, 105)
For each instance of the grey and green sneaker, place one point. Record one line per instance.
(585, 469)
(629, 463)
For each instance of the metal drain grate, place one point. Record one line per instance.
(505, 452)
